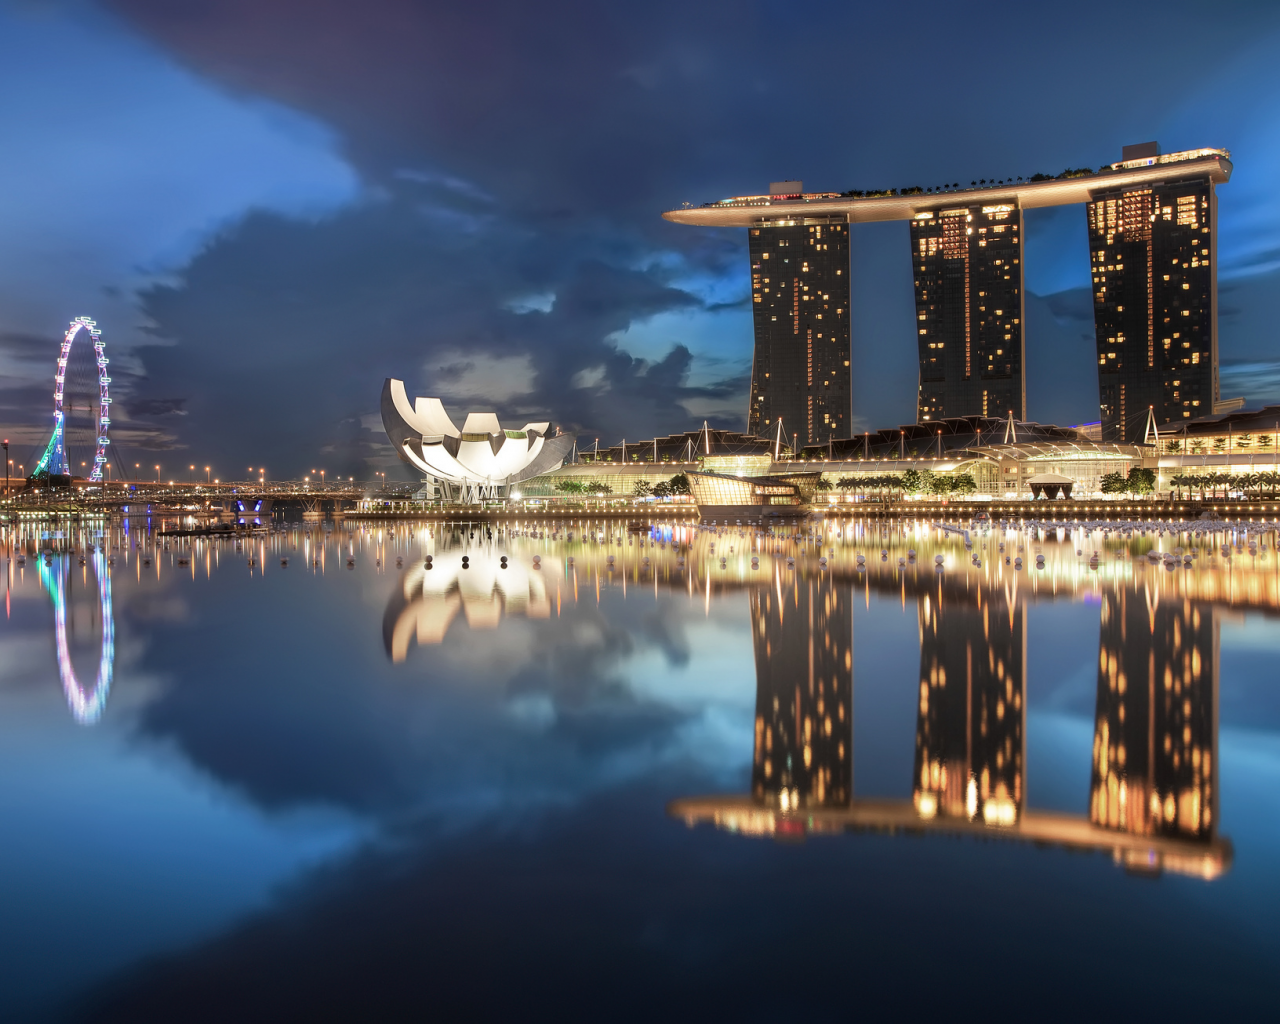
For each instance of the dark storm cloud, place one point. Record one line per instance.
(518, 150)
(573, 108)
(283, 330)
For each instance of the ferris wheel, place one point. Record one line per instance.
(54, 461)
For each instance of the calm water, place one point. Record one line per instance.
(355, 788)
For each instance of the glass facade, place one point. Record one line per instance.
(1154, 298)
(800, 304)
(967, 264)
(713, 490)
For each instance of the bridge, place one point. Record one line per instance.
(199, 499)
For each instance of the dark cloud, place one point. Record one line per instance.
(156, 406)
(514, 150)
(1072, 306)
(283, 330)
(29, 348)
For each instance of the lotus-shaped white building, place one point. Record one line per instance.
(477, 460)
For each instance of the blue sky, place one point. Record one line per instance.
(270, 207)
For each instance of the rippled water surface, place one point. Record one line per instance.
(334, 773)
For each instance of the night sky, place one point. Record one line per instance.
(271, 205)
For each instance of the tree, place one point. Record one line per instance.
(1113, 483)
(822, 485)
(1140, 481)
(679, 484)
(1197, 447)
(964, 483)
(937, 483)
(1173, 447)
(1219, 444)
(602, 489)
(662, 489)
(570, 486)
(911, 481)
(642, 489)
(1244, 441)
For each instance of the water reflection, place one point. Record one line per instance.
(1156, 725)
(804, 690)
(56, 575)
(1151, 799)
(428, 599)
(972, 720)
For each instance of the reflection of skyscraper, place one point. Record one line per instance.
(1155, 729)
(969, 727)
(804, 692)
(967, 263)
(800, 301)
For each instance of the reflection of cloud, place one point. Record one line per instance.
(429, 599)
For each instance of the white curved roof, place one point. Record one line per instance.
(482, 452)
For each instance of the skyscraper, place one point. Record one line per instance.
(1154, 291)
(967, 263)
(1153, 250)
(800, 304)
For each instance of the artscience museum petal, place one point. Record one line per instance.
(476, 460)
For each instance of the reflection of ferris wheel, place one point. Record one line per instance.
(86, 707)
(55, 460)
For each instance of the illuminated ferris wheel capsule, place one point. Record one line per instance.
(54, 459)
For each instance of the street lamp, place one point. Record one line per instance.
(6, 467)
(191, 474)
(206, 474)
(157, 474)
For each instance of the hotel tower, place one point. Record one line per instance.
(1152, 238)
